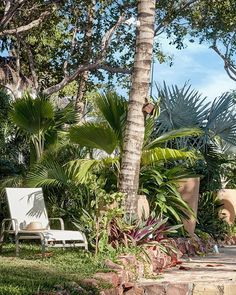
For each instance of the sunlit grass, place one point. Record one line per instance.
(29, 274)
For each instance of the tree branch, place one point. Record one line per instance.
(115, 70)
(31, 64)
(97, 64)
(106, 40)
(27, 27)
(229, 66)
(73, 42)
(9, 12)
(169, 18)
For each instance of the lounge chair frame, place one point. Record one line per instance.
(11, 226)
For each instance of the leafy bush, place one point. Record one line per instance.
(160, 186)
(208, 216)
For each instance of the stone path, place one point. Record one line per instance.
(211, 275)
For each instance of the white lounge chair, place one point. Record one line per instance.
(27, 208)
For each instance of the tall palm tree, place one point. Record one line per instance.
(135, 127)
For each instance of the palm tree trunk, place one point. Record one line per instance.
(134, 133)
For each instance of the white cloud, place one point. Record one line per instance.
(199, 66)
(216, 84)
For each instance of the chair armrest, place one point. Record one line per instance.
(11, 220)
(61, 222)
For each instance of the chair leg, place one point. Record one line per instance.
(43, 244)
(1, 241)
(17, 238)
(85, 242)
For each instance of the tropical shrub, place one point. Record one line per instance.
(209, 220)
(160, 185)
(217, 120)
(106, 133)
(40, 122)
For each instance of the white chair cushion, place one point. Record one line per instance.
(62, 235)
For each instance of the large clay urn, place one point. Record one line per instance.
(143, 210)
(228, 198)
(189, 190)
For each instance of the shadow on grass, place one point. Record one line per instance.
(29, 274)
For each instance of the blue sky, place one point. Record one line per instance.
(197, 64)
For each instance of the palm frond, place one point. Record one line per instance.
(32, 115)
(176, 106)
(13, 181)
(173, 134)
(66, 115)
(149, 127)
(98, 136)
(47, 174)
(222, 118)
(114, 110)
(165, 154)
(79, 170)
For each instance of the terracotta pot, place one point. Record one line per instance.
(189, 190)
(143, 207)
(228, 197)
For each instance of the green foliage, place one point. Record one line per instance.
(33, 116)
(40, 122)
(160, 186)
(93, 135)
(164, 154)
(52, 42)
(114, 110)
(209, 220)
(108, 135)
(215, 120)
(104, 207)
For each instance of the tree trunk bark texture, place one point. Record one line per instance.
(134, 134)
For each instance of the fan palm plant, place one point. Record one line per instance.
(107, 132)
(216, 119)
(39, 121)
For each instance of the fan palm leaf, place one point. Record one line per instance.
(216, 120)
(32, 116)
(173, 134)
(114, 109)
(176, 106)
(48, 174)
(93, 135)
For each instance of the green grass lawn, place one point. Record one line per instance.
(29, 274)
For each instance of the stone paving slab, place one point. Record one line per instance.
(211, 275)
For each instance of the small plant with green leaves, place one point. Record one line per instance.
(209, 220)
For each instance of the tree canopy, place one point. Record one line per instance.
(46, 45)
